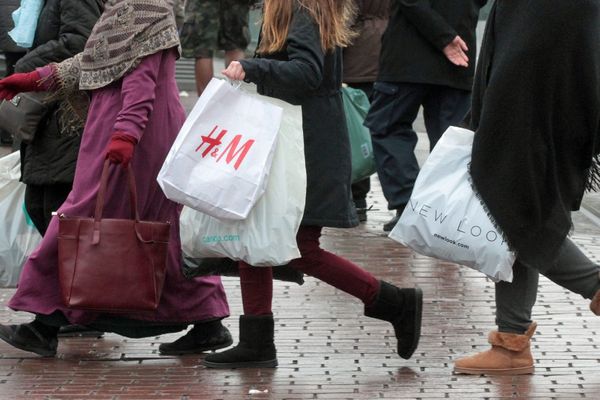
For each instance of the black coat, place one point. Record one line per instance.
(304, 75)
(62, 30)
(536, 116)
(416, 35)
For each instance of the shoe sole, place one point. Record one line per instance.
(417, 327)
(36, 350)
(246, 364)
(88, 334)
(507, 371)
(196, 350)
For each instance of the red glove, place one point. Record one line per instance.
(21, 82)
(120, 148)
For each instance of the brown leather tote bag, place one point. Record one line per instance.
(112, 265)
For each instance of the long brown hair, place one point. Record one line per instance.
(333, 18)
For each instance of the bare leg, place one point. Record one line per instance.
(233, 55)
(203, 73)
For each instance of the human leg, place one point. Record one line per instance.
(199, 38)
(203, 73)
(35, 337)
(382, 300)
(360, 190)
(234, 33)
(443, 107)
(393, 111)
(510, 353)
(34, 204)
(256, 348)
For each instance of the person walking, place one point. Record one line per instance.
(299, 61)
(211, 25)
(426, 60)
(361, 63)
(12, 52)
(536, 117)
(128, 67)
(48, 162)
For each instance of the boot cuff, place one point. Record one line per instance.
(512, 341)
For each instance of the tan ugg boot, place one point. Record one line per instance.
(595, 304)
(510, 355)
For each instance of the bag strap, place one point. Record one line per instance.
(100, 199)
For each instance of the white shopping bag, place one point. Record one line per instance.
(268, 235)
(18, 235)
(445, 219)
(221, 158)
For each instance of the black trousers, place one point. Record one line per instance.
(42, 200)
(393, 111)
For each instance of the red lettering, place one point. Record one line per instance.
(235, 152)
(210, 141)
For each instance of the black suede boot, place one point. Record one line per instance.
(255, 350)
(401, 307)
(204, 336)
(34, 337)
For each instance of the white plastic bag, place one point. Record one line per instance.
(268, 235)
(445, 219)
(221, 158)
(18, 235)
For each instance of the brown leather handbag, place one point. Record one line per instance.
(112, 265)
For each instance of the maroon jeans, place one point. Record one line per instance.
(257, 282)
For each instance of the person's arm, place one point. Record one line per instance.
(77, 18)
(303, 71)
(428, 22)
(137, 95)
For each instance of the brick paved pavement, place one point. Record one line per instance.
(328, 350)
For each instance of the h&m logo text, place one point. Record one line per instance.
(234, 150)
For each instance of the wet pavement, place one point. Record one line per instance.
(327, 349)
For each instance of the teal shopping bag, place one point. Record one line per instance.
(356, 106)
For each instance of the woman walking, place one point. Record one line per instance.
(128, 67)
(299, 61)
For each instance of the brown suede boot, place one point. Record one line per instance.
(510, 355)
(595, 304)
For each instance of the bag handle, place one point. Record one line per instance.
(100, 199)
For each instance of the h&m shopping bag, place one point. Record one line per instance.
(268, 235)
(221, 158)
(18, 235)
(356, 107)
(445, 219)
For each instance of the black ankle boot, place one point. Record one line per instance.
(204, 336)
(401, 307)
(28, 337)
(255, 350)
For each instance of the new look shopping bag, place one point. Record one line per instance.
(445, 219)
(221, 158)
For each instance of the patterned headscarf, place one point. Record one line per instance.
(127, 31)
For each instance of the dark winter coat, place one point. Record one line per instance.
(417, 33)
(303, 74)
(62, 30)
(361, 59)
(536, 114)
(6, 24)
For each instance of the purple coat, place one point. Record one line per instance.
(145, 104)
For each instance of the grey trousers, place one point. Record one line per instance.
(515, 300)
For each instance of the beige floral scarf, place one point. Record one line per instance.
(127, 31)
